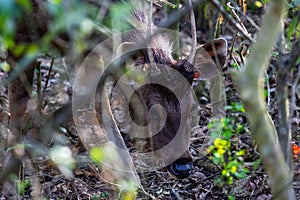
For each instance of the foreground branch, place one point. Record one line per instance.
(250, 84)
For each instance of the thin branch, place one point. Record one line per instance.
(176, 15)
(48, 77)
(230, 19)
(193, 32)
(291, 60)
(233, 12)
(237, 8)
(293, 105)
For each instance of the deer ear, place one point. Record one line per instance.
(209, 56)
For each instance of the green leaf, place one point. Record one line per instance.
(22, 186)
(227, 134)
(231, 197)
(19, 50)
(258, 4)
(97, 155)
(291, 29)
(5, 66)
(32, 49)
(104, 194)
(241, 152)
(57, 2)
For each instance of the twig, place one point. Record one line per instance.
(289, 61)
(193, 32)
(231, 20)
(176, 15)
(230, 54)
(237, 8)
(48, 77)
(233, 11)
(39, 83)
(268, 89)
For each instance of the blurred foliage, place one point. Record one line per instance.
(10, 12)
(70, 21)
(62, 157)
(97, 155)
(5, 66)
(116, 19)
(128, 190)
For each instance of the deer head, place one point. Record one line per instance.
(160, 105)
(157, 91)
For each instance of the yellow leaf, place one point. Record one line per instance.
(258, 4)
(233, 169)
(97, 154)
(5, 66)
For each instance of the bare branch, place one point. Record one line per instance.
(231, 20)
(291, 59)
(193, 32)
(176, 15)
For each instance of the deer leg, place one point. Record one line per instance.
(19, 93)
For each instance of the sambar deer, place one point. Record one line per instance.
(155, 98)
(162, 105)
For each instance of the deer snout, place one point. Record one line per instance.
(181, 168)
